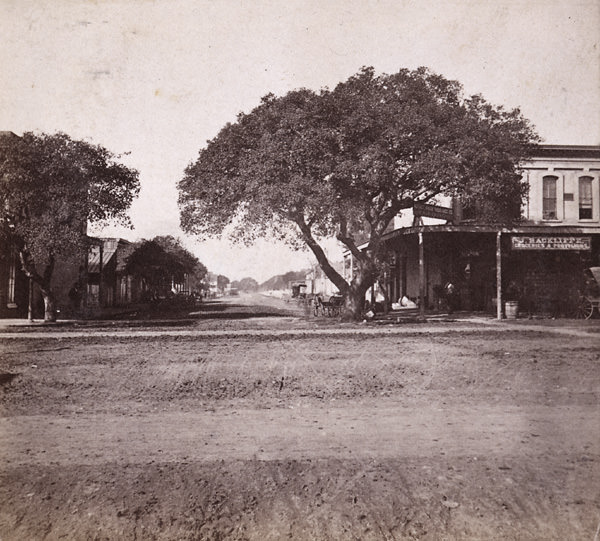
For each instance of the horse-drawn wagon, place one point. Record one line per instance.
(330, 308)
(589, 300)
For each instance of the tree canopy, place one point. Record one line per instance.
(222, 282)
(162, 261)
(344, 162)
(245, 284)
(51, 187)
(188, 262)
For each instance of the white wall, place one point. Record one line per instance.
(568, 173)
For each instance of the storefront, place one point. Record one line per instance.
(541, 268)
(539, 264)
(544, 269)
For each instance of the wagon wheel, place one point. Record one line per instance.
(585, 308)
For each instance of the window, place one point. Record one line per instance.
(585, 198)
(549, 204)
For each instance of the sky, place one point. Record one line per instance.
(156, 79)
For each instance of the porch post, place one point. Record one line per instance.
(30, 305)
(100, 288)
(421, 276)
(86, 281)
(498, 275)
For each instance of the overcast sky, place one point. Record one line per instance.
(159, 78)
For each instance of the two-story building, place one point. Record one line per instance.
(540, 263)
(81, 288)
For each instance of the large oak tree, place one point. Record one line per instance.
(51, 187)
(345, 162)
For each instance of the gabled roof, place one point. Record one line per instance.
(111, 247)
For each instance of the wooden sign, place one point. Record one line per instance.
(432, 211)
(530, 242)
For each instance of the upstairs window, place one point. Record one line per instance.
(549, 204)
(585, 198)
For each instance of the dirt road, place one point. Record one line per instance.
(301, 430)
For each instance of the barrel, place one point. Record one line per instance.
(510, 309)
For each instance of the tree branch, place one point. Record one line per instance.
(316, 249)
(28, 265)
(351, 245)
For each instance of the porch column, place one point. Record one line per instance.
(100, 288)
(86, 281)
(30, 303)
(499, 275)
(421, 276)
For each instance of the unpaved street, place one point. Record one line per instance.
(300, 429)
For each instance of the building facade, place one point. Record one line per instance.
(81, 288)
(317, 283)
(14, 285)
(108, 283)
(434, 249)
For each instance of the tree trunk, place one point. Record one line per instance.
(49, 305)
(353, 292)
(354, 304)
(43, 281)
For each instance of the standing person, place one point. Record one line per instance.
(75, 298)
(452, 298)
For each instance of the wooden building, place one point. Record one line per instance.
(539, 264)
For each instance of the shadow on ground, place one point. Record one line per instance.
(177, 315)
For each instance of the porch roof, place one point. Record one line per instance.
(471, 228)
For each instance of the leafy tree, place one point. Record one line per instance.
(222, 282)
(248, 284)
(344, 162)
(51, 187)
(190, 264)
(154, 266)
(245, 284)
(161, 261)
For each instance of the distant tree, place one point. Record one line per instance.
(51, 187)
(161, 261)
(154, 266)
(248, 284)
(222, 282)
(245, 284)
(190, 264)
(343, 163)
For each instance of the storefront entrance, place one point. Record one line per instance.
(542, 272)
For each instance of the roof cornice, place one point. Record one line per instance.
(566, 151)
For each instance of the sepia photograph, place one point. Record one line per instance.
(312, 270)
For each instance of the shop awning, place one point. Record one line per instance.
(471, 228)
